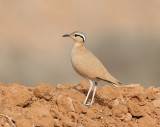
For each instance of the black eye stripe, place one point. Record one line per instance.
(79, 36)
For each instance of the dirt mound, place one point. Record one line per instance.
(47, 106)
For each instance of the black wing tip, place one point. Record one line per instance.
(119, 83)
(105, 80)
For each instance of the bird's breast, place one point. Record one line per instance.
(77, 59)
(85, 63)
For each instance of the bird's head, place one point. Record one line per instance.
(76, 36)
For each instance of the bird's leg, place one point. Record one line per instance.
(93, 94)
(91, 84)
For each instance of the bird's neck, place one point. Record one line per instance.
(78, 44)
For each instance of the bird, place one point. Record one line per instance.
(88, 65)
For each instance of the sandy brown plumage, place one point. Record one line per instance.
(88, 65)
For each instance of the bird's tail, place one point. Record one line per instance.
(116, 84)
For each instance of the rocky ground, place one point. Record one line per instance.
(62, 106)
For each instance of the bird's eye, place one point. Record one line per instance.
(76, 35)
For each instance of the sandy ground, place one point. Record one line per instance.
(62, 106)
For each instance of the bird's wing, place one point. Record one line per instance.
(88, 65)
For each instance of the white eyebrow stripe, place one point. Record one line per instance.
(82, 35)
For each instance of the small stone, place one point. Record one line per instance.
(147, 121)
(68, 123)
(119, 110)
(116, 102)
(128, 117)
(44, 91)
(135, 109)
(65, 104)
(151, 94)
(156, 103)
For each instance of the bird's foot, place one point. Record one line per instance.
(88, 104)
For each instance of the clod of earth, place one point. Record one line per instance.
(48, 106)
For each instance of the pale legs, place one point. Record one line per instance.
(94, 91)
(91, 84)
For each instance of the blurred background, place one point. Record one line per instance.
(123, 34)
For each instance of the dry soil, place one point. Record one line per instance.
(62, 106)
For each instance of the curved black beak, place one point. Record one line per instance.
(66, 35)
